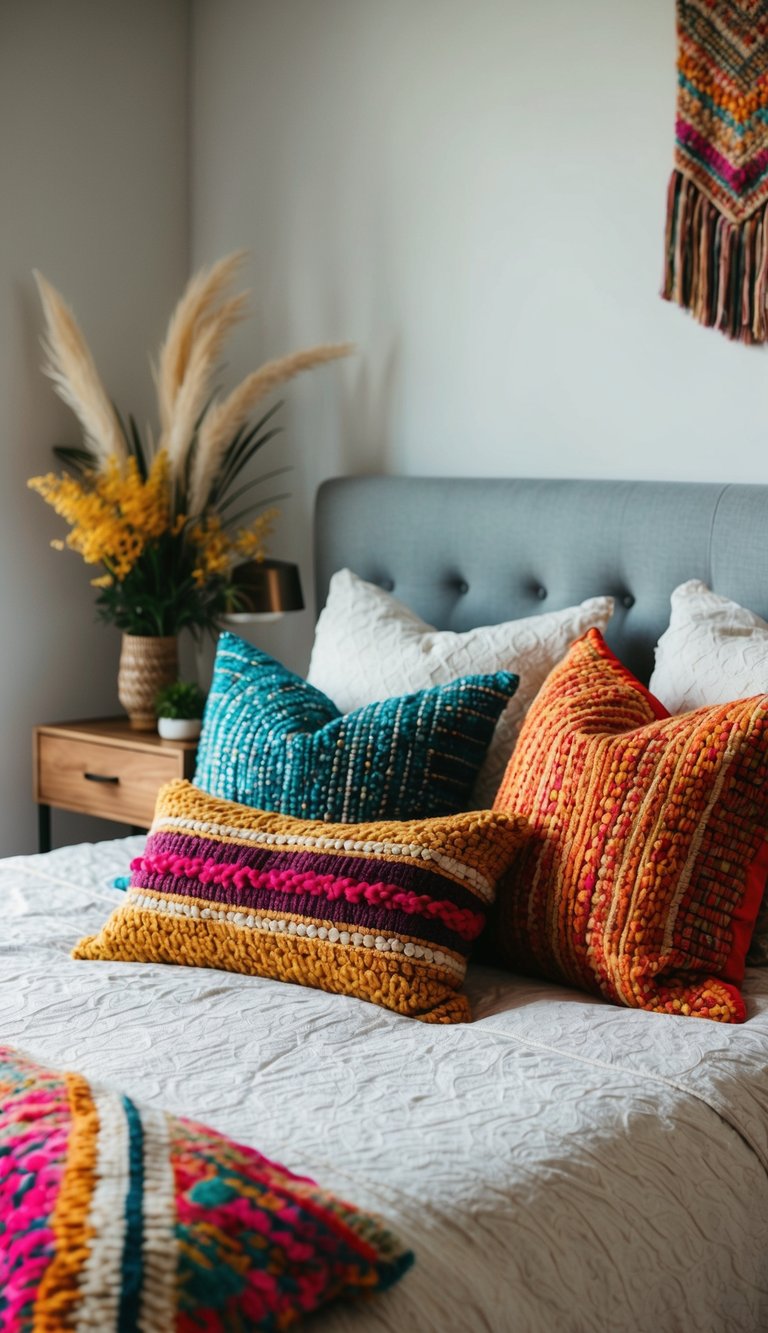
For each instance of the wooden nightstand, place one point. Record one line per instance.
(103, 768)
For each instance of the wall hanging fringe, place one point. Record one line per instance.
(716, 242)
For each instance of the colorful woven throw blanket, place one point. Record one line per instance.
(717, 207)
(116, 1217)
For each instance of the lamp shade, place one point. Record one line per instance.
(266, 588)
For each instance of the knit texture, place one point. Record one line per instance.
(272, 741)
(386, 912)
(717, 219)
(644, 873)
(114, 1217)
(369, 646)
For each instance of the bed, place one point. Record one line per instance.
(556, 1164)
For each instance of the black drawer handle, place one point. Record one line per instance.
(99, 777)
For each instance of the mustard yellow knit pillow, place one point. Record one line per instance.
(386, 911)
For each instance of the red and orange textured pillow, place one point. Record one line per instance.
(643, 876)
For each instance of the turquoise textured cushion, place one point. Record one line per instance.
(273, 741)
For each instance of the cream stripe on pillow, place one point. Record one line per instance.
(368, 647)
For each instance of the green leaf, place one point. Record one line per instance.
(133, 442)
(230, 453)
(180, 699)
(258, 504)
(249, 485)
(121, 423)
(239, 452)
(225, 483)
(189, 458)
(136, 447)
(78, 460)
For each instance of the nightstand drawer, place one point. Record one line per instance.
(102, 779)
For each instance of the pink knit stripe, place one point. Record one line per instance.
(229, 874)
(739, 179)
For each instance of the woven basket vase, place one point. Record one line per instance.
(147, 663)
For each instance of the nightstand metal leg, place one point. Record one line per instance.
(44, 828)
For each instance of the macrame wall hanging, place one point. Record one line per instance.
(717, 205)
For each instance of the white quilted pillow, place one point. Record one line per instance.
(368, 646)
(713, 651)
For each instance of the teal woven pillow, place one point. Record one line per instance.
(272, 741)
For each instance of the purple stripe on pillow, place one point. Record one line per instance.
(413, 874)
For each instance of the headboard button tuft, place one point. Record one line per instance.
(628, 600)
(541, 593)
(462, 586)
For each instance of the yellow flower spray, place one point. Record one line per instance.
(154, 519)
(113, 514)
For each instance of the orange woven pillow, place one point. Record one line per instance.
(648, 859)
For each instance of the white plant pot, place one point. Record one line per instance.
(179, 728)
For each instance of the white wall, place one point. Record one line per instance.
(93, 126)
(475, 194)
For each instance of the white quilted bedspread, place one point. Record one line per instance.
(558, 1166)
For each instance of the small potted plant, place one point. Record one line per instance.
(179, 709)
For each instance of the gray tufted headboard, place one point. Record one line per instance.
(465, 552)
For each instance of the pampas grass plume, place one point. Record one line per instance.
(75, 377)
(224, 418)
(187, 361)
(195, 388)
(200, 303)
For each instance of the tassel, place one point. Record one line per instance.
(715, 268)
(759, 324)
